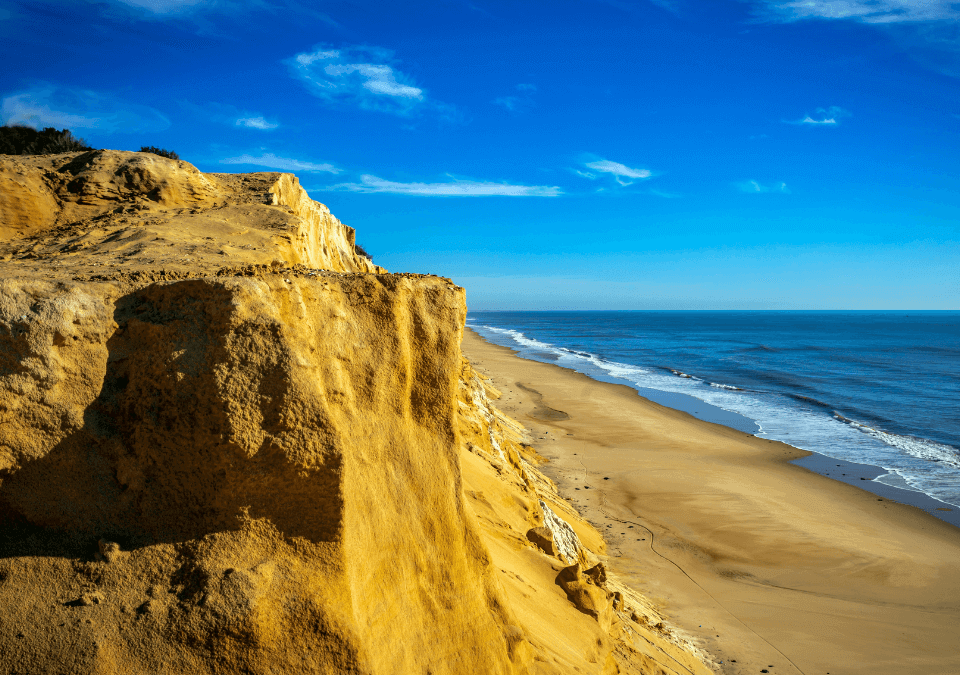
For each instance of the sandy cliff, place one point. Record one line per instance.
(230, 444)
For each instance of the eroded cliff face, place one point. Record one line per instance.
(228, 444)
(276, 459)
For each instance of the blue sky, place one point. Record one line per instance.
(597, 154)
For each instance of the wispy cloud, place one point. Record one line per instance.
(824, 117)
(256, 123)
(866, 11)
(926, 30)
(231, 115)
(271, 161)
(665, 195)
(49, 105)
(755, 187)
(209, 16)
(622, 173)
(672, 6)
(367, 77)
(162, 6)
(519, 102)
(452, 188)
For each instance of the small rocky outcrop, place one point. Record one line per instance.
(586, 590)
(542, 537)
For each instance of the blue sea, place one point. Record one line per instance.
(878, 388)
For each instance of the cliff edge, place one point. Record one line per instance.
(231, 444)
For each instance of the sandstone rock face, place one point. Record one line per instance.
(277, 458)
(26, 202)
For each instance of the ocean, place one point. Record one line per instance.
(874, 388)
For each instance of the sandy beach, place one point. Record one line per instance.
(775, 568)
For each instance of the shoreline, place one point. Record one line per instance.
(858, 474)
(768, 563)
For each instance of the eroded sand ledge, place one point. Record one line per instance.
(770, 564)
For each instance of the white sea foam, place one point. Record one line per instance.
(895, 480)
(918, 464)
(918, 447)
(522, 339)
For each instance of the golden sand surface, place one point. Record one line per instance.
(775, 568)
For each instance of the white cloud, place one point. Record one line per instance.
(66, 107)
(620, 172)
(452, 188)
(271, 161)
(256, 123)
(162, 6)
(867, 11)
(520, 101)
(363, 76)
(665, 195)
(926, 30)
(671, 6)
(810, 120)
(202, 11)
(827, 117)
(755, 187)
(511, 103)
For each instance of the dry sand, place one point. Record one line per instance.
(777, 569)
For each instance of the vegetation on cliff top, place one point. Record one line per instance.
(169, 154)
(22, 140)
(18, 139)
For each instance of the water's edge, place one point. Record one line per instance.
(862, 476)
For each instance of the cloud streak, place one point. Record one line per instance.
(365, 77)
(866, 11)
(271, 161)
(755, 187)
(256, 123)
(162, 6)
(66, 107)
(623, 174)
(452, 188)
(927, 30)
(829, 117)
(519, 102)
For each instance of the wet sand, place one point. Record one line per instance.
(774, 567)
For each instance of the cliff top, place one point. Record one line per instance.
(91, 214)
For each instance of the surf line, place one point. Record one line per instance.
(683, 571)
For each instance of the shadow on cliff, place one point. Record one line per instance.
(197, 427)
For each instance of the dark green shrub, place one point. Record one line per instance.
(17, 139)
(360, 251)
(169, 154)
